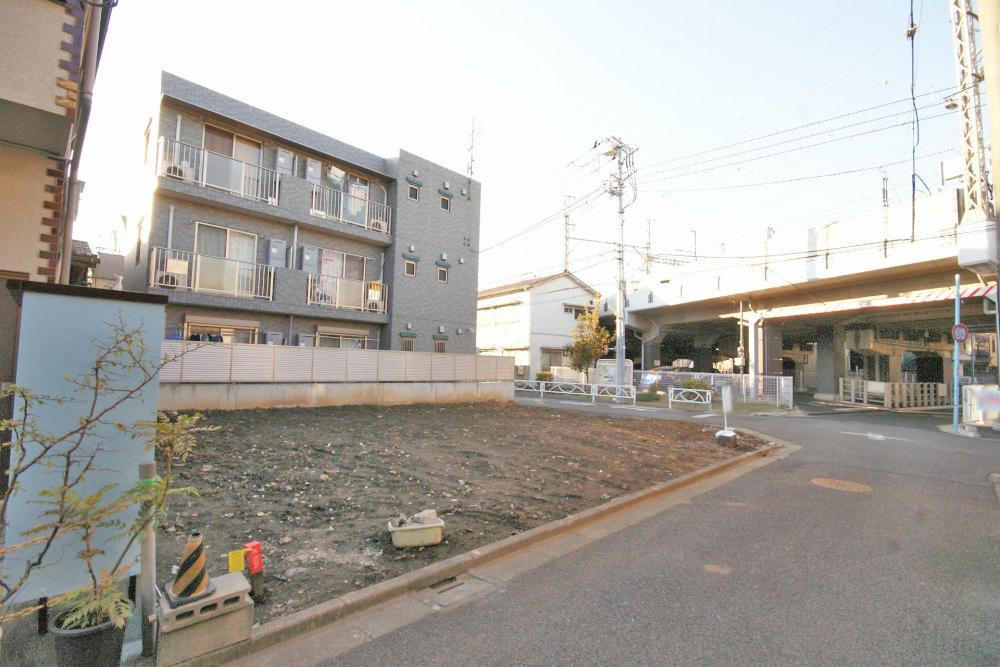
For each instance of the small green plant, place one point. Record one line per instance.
(648, 397)
(694, 383)
(544, 376)
(119, 372)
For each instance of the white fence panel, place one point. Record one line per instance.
(418, 366)
(442, 368)
(504, 368)
(465, 366)
(362, 366)
(171, 349)
(292, 364)
(391, 366)
(486, 367)
(252, 363)
(206, 363)
(329, 365)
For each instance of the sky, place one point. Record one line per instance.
(542, 81)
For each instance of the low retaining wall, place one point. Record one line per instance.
(246, 395)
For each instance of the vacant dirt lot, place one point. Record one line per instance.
(317, 486)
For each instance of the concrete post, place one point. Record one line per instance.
(147, 573)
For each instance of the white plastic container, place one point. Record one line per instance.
(425, 534)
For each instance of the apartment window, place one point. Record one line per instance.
(406, 345)
(445, 203)
(409, 267)
(439, 346)
(225, 243)
(575, 311)
(442, 274)
(414, 192)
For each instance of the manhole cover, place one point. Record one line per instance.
(842, 485)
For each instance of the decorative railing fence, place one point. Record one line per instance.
(193, 361)
(771, 389)
(894, 394)
(582, 389)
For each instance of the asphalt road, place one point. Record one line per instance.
(768, 569)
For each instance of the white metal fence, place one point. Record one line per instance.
(179, 269)
(208, 169)
(771, 389)
(894, 394)
(369, 295)
(692, 396)
(330, 203)
(582, 389)
(240, 362)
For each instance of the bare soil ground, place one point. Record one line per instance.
(316, 486)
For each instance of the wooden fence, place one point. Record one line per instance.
(193, 361)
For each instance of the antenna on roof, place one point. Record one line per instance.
(472, 147)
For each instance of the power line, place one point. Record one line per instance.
(792, 150)
(806, 136)
(794, 180)
(554, 216)
(799, 127)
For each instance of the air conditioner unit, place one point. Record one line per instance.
(273, 338)
(170, 280)
(182, 171)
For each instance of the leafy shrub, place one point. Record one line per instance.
(693, 383)
(544, 376)
(647, 397)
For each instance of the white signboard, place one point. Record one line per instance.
(727, 399)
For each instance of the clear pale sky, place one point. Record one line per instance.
(544, 80)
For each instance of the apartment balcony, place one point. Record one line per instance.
(363, 295)
(332, 204)
(181, 270)
(212, 170)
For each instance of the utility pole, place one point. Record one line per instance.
(649, 246)
(470, 167)
(695, 232)
(616, 148)
(567, 201)
(969, 75)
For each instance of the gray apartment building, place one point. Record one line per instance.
(263, 231)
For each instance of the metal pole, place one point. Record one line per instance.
(955, 361)
(567, 200)
(147, 572)
(742, 351)
(989, 29)
(620, 319)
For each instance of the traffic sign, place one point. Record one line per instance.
(959, 333)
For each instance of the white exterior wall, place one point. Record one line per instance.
(550, 325)
(503, 325)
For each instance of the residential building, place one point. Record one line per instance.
(50, 51)
(263, 231)
(83, 264)
(532, 320)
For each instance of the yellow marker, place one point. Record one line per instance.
(236, 560)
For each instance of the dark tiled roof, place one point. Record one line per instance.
(82, 250)
(528, 283)
(188, 92)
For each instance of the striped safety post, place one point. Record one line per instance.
(191, 581)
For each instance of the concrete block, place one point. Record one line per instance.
(406, 393)
(197, 628)
(195, 396)
(271, 395)
(345, 393)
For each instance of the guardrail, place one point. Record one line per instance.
(775, 390)
(208, 169)
(335, 292)
(179, 269)
(692, 396)
(330, 203)
(193, 361)
(593, 391)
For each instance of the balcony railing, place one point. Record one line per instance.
(366, 295)
(177, 269)
(208, 169)
(346, 342)
(330, 203)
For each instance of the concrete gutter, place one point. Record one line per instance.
(324, 613)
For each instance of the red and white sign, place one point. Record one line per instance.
(960, 333)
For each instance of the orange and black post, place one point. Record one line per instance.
(191, 581)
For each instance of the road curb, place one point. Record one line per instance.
(280, 630)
